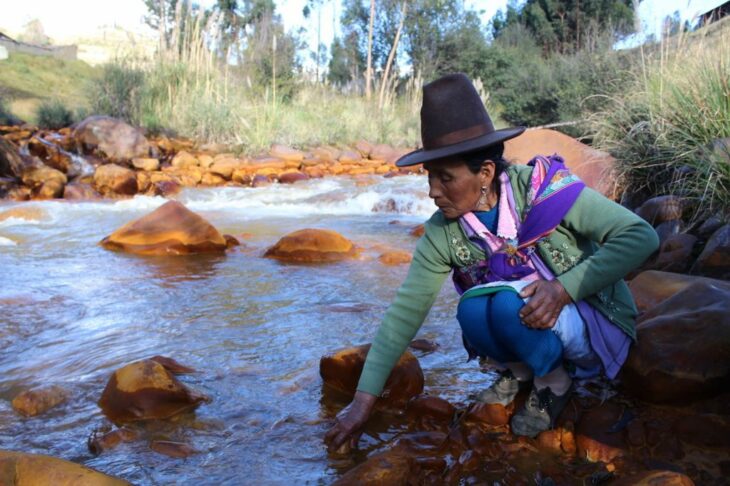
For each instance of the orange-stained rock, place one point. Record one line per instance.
(99, 442)
(594, 167)
(395, 257)
(559, 440)
(146, 390)
(80, 191)
(341, 371)
(660, 209)
(146, 163)
(292, 177)
(714, 261)
(594, 439)
(260, 181)
(41, 174)
(364, 148)
(431, 408)
(172, 365)
(205, 160)
(12, 164)
(178, 450)
(112, 139)
(316, 172)
(22, 469)
(326, 154)
(654, 478)
(391, 468)
(418, 231)
(494, 414)
(184, 159)
(652, 287)
(113, 179)
(211, 179)
(682, 350)
(27, 213)
(312, 246)
(171, 229)
(39, 400)
(286, 153)
(225, 167)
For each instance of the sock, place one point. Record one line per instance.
(558, 380)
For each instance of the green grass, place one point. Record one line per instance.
(26, 80)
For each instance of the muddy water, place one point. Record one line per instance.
(71, 313)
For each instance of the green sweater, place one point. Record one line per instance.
(596, 244)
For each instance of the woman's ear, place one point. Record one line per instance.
(486, 174)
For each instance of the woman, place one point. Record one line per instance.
(538, 257)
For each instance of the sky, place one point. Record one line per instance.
(69, 19)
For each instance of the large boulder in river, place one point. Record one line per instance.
(21, 469)
(312, 246)
(171, 229)
(111, 179)
(683, 349)
(341, 371)
(652, 287)
(594, 167)
(147, 390)
(111, 138)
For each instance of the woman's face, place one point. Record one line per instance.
(454, 188)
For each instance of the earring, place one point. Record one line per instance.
(483, 198)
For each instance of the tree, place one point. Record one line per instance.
(34, 33)
(346, 61)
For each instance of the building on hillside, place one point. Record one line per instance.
(720, 11)
(68, 53)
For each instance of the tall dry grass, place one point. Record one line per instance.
(666, 128)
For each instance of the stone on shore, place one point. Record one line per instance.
(146, 163)
(39, 400)
(286, 153)
(146, 390)
(660, 209)
(395, 257)
(112, 139)
(80, 191)
(312, 246)
(393, 467)
(184, 159)
(113, 179)
(683, 349)
(341, 371)
(594, 436)
(715, 258)
(596, 168)
(675, 253)
(22, 469)
(653, 287)
(99, 442)
(292, 177)
(171, 229)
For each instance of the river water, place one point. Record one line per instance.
(71, 313)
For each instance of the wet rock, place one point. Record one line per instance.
(393, 467)
(41, 174)
(171, 229)
(39, 400)
(80, 191)
(654, 478)
(714, 261)
(682, 350)
(21, 469)
(492, 414)
(211, 179)
(432, 409)
(312, 246)
(100, 442)
(146, 390)
(166, 188)
(595, 439)
(418, 231)
(184, 159)
(146, 163)
(225, 167)
(27, 213)
(260, 181)
(675, 253)
(395, 257)
(178, 450)
(660, 209)
(705, 430)
(559, 440)
(113, 179)
(652, 287)
(341, 371)
(12, 164)
(292, 177)
(173, 366)
(286, 153)
(423, 345)
(111, 139)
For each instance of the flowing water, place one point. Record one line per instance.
(71, 313)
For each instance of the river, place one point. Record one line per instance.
(73, 312)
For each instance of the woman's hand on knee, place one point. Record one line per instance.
(349, 422)
(547, 299)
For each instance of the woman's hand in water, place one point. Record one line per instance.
(547, 299)
(349, 422)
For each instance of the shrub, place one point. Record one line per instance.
(53, 115)
(6, 118)
(117, 92)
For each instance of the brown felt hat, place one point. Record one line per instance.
(454, 121)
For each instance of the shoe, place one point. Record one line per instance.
(540, 412)
(502, 391)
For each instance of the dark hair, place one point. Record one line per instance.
(475, 160)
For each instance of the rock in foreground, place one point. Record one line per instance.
(21, 469)
(312, 246)
(146, 390)
(342, 370)
(171, 229)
